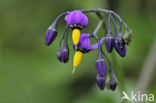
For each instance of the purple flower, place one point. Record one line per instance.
(75, 18)
(113, 82)
(109, 42)
(100, 82)
(101, 66)
(84, 43)
(120, 47)
(63, 54)
(50, 36)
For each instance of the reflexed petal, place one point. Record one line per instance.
(84, 43)
(94, 46)
(76, 17)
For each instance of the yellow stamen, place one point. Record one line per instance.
(76, 36)
(77, 59)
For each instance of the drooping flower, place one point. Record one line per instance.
(101, 82)
(109, 42)
(112, 82)
(120, 46)
(101, 66)
(84, 44)
(63, 54)
(76, 20)
(51, 34)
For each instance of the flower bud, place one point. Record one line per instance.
(100, 82)
(50, 36)
(63, 54)
(109, 42)
(101, 66)
(128, 37)
(51, 33)
(120, 46)
(112, 82)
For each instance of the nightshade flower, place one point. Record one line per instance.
(100, 66)
(101, 82)
(84, 43)
(83, 46)
(109, 42)
(63, 54)
(51, 34)
(77, 20)
(120, 46)
(112, 82)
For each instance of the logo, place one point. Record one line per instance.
(137, 97)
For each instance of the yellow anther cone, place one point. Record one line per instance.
(76, 36)
(77, 59)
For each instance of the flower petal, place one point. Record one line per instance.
(94, 46)
(76, 17)
(84, 41)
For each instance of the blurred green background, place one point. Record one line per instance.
(31, 73)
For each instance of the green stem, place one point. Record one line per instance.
(101, 17)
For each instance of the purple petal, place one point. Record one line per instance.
(50, 36)
(84, 41)
(63, 54)
(109, 42)
(100, 82)
(76, 17)
(101, 67)
(121, 52)
(113, 82)
(94, 46)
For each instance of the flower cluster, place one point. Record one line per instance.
(114, 39)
